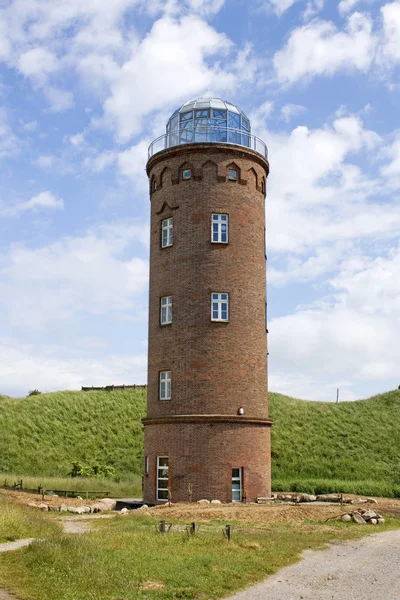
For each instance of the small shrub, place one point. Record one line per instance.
(96, 470)
(35, 392)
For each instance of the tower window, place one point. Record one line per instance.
(219, 228)
(165, 385)
(166, 310)
(232, 174)
(237, 480)
(219, 307)
(166, 233)
(186, 174)
(162, 477)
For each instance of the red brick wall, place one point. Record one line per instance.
(216, 367)
(204, 455)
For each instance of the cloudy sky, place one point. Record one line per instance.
(86, 85)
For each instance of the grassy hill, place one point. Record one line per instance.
(315, 445)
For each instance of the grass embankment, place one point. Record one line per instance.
(126, 487)
(17, 522)
(353, 447)
(42, 435)
(127, 558)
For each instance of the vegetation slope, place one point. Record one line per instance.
(351, 441)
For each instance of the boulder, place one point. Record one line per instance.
(373, 521)
(109, 502)
(372, 500)
(87, 509)
(369, 514)
(306, 498)
(63, 508)
(43, 506)
(357, 518)
(123, 511)
(72, 509)
(380, 520)
(143, 507)
(346, 518)
(203, 502)
(216, 502)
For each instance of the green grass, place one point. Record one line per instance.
(350, 441)
(349, 447)
(126, 487)
(17, 522)
(117, 560)
(61, 427)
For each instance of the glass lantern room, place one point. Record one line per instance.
(208, 120)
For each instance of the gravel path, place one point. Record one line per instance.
(366, 569)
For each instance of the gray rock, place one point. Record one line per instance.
(87, 509)
(216, 502)
(72, 509)
(372, 500)
(80, 510)
(373, 521)
(43, 506)
(143, 507)
(369, 514)
(381, 520)
(123, 511)
(203, 502)
(63, 508)
(357, 518)
(346, 518)
(306, 498)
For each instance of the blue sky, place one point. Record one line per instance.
(84, 88)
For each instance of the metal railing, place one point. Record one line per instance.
(208, 134)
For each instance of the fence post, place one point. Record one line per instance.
(192, 528)
(162, 526)
(228, 532)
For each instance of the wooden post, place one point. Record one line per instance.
(228, 532)
(190, 491)
(192, 529)
(162, 526)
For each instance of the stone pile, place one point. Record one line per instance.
(323, 498)
(363, 517)
(99, 506)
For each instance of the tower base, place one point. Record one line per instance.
(212, 457)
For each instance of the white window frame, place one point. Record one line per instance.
(165, 385)
(162, 482)
(217, 235)
(166, 310)
(232, 174)
(218, 300)
(236, 479)
(187, 174)
(167, 237)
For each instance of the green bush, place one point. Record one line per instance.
(96, 470)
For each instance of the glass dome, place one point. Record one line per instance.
(208, 120)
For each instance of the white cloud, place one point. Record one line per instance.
(43, 201)
(24, 367)
(291, 110)
(74, 275)
(352, 336)
(391, 170)
(280, 6)
(37, 63)
(319, 48)
(346, 6)
(9, 144)
(389, 53)
(169, 64)
(59, 100)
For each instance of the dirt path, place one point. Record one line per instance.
(7, 546)
(366, 569)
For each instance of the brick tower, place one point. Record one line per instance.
(207, 431)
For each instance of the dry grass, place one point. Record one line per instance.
(263, 513)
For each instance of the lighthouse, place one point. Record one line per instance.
(207, 430)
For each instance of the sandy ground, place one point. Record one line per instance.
(367, 569)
